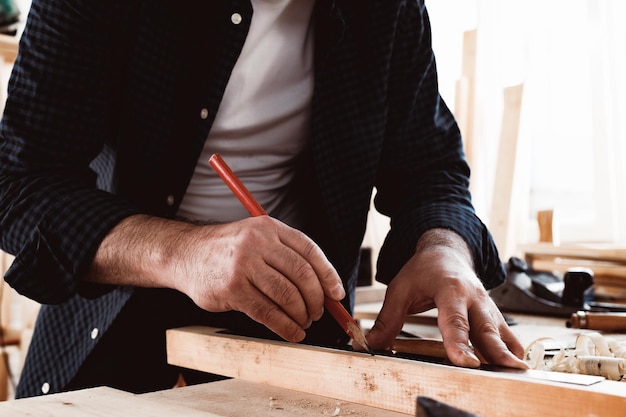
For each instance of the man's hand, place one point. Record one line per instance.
(259, 266)
(440, 274)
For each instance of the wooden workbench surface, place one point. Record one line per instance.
(236, 398)
(96, 402)
(228, 398)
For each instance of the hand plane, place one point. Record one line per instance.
(526, 290)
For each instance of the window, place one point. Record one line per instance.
(571, 57)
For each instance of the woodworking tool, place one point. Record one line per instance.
(428, 407)
(541, 292)
(610, 322)
(335, 308)
(526, 290)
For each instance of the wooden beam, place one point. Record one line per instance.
(387, 382)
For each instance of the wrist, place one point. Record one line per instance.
(447, 241)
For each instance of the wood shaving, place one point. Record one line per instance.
(594, 354)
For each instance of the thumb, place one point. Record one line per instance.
(387, 326)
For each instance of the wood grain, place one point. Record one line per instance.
(237, 398)
(387, 382)
(97, 402)
(600, 252)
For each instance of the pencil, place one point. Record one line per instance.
(334, 307)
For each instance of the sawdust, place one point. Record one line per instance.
(310, 408)
(369, 382)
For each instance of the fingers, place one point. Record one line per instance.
(308, 275)
(472, 327)
(299, 281)
(313, 257)
(494, 340)
(286, 296)
(263, 310)
(273, 273)
(454, 326)
(491, 338)
(389, 322)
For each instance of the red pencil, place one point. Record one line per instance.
(334, 307)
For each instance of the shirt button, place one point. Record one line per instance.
(170, 200)
(45, 388)
(204, 113)
(236, 18)
(94, 333)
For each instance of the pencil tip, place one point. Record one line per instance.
(359, 337)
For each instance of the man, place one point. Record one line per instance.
(121, 229)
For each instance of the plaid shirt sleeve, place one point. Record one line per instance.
(380, 122)
(52, 216)
(423, 178)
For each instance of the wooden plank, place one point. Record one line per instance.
(607, 261)
(600, 252)
(96, 402)
(505, 217)
(465, 97)
(8, 47)
(599, 268)
(236, 398)
(409, 319)
(547, 227)
(387, 382)
(370, 294)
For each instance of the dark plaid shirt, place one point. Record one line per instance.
(103, 120)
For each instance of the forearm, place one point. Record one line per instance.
(259, 266)
(141, 251)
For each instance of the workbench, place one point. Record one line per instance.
(227, 398)
(278, 378)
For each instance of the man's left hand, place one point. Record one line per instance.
(440, 275)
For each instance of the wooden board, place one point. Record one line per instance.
(228, 398)
(607, 261)
(599, 252)
(96, 402)
(387, 382)
(236, 398)
(508, 190)
(8, 47)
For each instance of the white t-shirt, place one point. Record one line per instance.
(263, 122)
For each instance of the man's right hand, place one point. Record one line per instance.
(260, 266)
